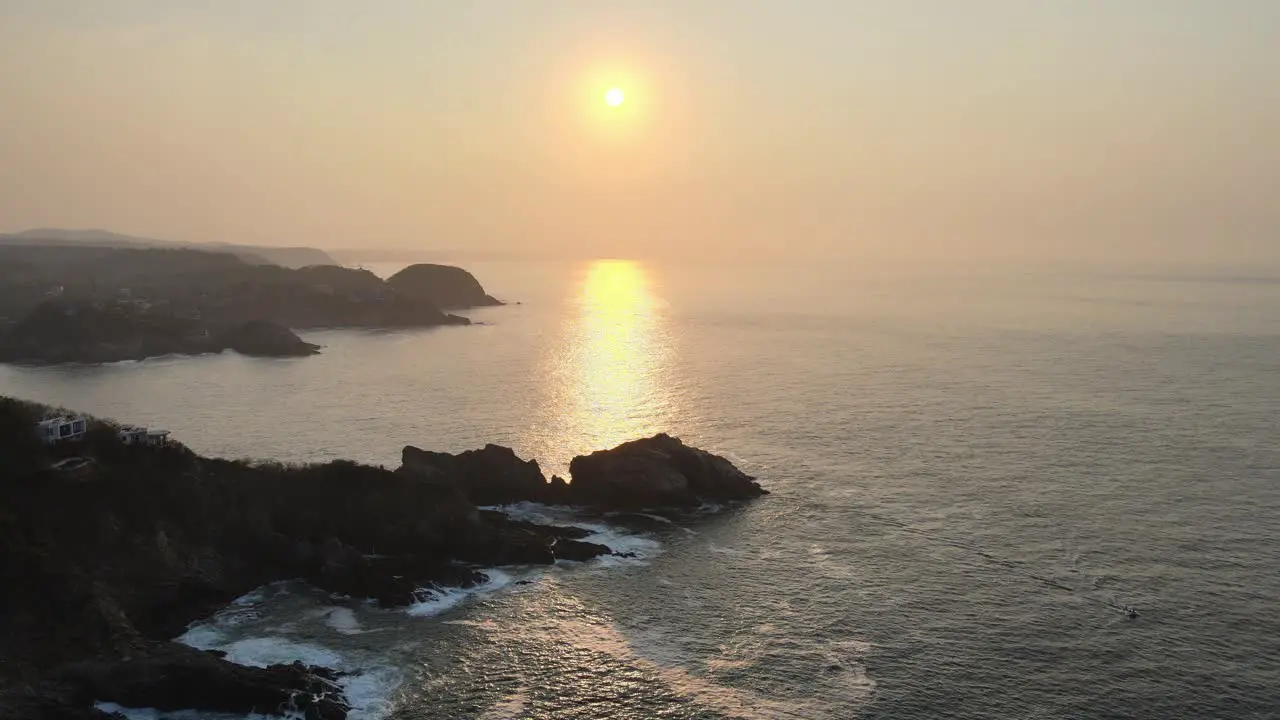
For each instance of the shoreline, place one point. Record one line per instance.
(150, 541)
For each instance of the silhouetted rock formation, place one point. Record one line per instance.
(491, 476)
(442, 285)
(655, 472)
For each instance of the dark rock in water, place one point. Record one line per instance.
(443, 285)
(541, 544)
(660, 471)
(494, 475)
(263, 338)
(579, 551)
(173, 677)
(546, 533)
(655, 472)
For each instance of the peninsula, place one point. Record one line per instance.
(82, 303)
(111, 547)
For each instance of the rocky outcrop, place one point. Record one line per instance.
(548, 542)
(97, 574)
(655, 472)
(444, 286)
(660, 471)
(493, 475)
(262, 338)
(172, 677)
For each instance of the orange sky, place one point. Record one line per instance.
(1087, 129)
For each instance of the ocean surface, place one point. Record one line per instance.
(972, 474)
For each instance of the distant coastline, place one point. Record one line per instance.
(291, 257)
(77, 301)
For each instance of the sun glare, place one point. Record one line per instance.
(615, 97)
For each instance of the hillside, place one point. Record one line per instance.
(291, 257)
(83, 303)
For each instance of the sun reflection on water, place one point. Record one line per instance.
(610, 378)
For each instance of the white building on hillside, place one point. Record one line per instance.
(134, 435)
(62, 429)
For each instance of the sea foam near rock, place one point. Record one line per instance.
(445, 599)
(369, 686)
(629, 548)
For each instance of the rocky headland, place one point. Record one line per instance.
(79, 303)
(656, 472)
(103, 566)
(58, 331)
(443, 285)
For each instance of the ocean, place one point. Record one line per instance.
(971, 475)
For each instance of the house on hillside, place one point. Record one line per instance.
(134, 435)
(62, 429)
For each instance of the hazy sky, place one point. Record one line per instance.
(1075, 128)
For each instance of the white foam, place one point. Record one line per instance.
(344, 621)
(209, 635)
(535, 512)
(369, 693)
(658, 518)
(449, 598)
(264, 651)
(643, 548)
(368, 689)
(202, 637)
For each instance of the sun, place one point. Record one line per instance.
(615, 97)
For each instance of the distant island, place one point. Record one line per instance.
(79, 302)
(113, 539)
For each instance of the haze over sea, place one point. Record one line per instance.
(971, 473)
